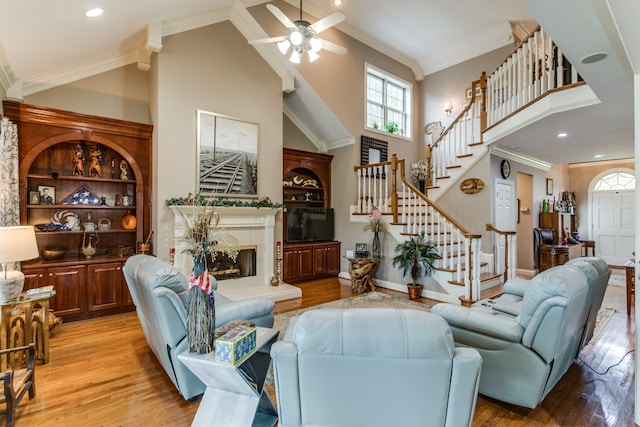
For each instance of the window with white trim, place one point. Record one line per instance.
(388, 102)
(616, 181)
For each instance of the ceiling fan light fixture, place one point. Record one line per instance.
(295, 57)
(313, 56)
(284, 46)
(296, 37)
(316, 44)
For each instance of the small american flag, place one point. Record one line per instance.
(375, 213)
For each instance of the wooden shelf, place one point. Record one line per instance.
(49, 141)
(80, 178)
(90, 207)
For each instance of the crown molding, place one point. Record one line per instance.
(520, 158)
(306, 131)
(62, 76)
(376, 44)
(251, 30)
(602, 163)
(344, 141)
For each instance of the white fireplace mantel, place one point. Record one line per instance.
(253, 227)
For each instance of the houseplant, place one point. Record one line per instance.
(376, 224)
(419, 173)
(415, 255)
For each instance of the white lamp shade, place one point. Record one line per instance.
(17, 243)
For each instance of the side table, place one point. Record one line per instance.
(361, 271)
(235, 394)
(19, 326)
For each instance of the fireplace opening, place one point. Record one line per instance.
(224, 267)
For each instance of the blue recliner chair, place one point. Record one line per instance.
(526, 354)
(159, 292)
(373, 367)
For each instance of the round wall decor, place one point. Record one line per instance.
(471, 185)
(505, 169)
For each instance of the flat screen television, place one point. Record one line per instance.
(308, 225)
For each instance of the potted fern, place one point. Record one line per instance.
(416, 256)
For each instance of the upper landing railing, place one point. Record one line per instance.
(535, 69)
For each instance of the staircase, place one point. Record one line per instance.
(464, 274)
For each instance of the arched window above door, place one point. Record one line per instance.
(616, 181)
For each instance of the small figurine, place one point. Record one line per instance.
(78, 161)
(124, 173)
(96, 158)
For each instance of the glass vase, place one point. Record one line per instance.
(376, 248)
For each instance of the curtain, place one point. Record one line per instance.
(9, 189)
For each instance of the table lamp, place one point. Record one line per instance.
(17, 243)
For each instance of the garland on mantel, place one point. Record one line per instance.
(200, 200)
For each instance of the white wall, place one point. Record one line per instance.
(213, 69)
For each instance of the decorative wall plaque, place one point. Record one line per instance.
(471, 185)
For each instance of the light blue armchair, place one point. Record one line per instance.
(525, 355)
(597, 273)
(373, 367)
(159, 292)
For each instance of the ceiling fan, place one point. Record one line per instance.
(303, 36)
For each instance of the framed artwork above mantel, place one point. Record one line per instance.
(227, 156)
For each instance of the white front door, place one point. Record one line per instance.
(613, 227)
(505, 217)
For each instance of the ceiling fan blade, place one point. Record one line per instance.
(281, 17)
(268, 40)
(327, 22)
(332, 47)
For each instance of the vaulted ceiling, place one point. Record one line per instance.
(45, 44)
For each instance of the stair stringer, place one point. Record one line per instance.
(442, 185)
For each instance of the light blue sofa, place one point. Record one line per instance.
(159, 293)
(597, 273)
(525, 355)
(373, 367)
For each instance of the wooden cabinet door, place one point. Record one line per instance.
(34, 278)
(320, 260)
(68, 282)
(104, 286)
(305, 263)
(333, 258)
(289, 264)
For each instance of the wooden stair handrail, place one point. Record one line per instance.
(490, 227)
(400, 162)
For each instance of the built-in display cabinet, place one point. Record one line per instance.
(84, 183)
(306, 183)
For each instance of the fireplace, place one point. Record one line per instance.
(224, 267)
(255, 230)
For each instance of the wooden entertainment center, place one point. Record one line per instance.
(307, 183)
(55, 151)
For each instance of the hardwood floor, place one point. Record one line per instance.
(102, 373)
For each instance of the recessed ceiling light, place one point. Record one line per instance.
(599, 155)
(337, 2)
(562, 135)
(594, 57)
(92, 13)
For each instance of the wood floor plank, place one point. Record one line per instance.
(103, 373)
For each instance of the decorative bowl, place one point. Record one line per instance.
(52, 253)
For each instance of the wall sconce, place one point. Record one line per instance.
(448, 108)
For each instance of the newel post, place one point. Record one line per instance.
(429, 180)
(394, 190)
(483, 104)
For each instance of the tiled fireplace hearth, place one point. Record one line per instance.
(253, 227)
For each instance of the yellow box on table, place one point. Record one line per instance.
(234, 346)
